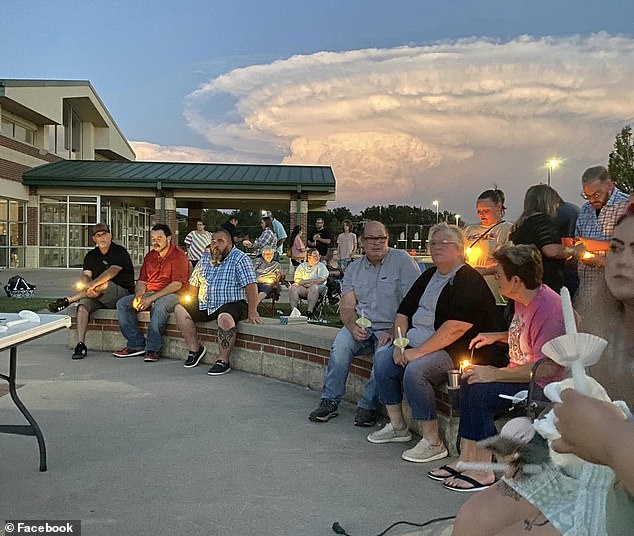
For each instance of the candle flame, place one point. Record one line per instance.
(588, 255)
(464, 364)
(79, 285)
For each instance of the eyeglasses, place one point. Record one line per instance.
(443, 243)
(375, 238)
(594, 197)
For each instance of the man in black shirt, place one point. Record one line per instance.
(320, 238)
(107, 275)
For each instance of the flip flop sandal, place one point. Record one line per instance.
(475, 485)
(450, 470)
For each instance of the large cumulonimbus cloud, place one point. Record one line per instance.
(447, 120)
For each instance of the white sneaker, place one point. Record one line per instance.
(388, 434)
(424, 452)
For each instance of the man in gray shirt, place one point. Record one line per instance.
(373, 288)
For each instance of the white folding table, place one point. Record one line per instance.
(11, 339)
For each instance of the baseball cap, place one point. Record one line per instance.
(100, 227)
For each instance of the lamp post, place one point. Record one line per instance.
(457, 220)
(551, 165)
(436, 204)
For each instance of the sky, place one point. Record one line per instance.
(408, 101)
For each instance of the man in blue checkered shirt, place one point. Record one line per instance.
(595, 225)
(220, 280)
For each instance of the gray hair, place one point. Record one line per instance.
(268, 249)
(374, 222)
(453, 230)
(596, 173)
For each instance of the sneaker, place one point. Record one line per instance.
(151, 357)
(424, 452)
(388, 434)
(193, 358)
(80, 351)
(126, 352)
(219, 368)
(365, 417)
(327, 410)
(58, 305)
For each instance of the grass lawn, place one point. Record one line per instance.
(15, 305)
(332, 319)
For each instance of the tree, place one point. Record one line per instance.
(621, 162)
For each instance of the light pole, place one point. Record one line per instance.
(436, 204)
(457, 220)
(551, 165)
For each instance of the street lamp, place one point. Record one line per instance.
(457, 220)
(436, 204)
(551, 165)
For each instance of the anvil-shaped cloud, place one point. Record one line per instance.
(409, 124)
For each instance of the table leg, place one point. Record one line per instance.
(32, 429)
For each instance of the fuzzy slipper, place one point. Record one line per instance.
(449, 470)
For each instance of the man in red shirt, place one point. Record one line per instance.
(164, 273)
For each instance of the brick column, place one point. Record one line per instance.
(170, 215)
(32, 259)
(300, 218)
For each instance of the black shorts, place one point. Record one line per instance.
(238, 310)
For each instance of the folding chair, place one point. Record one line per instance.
(274, 296)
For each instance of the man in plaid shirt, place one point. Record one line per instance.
(595, 224)
(220, 280)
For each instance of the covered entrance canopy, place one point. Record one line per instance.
(162, 187)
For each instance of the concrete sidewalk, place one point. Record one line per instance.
(137, 448)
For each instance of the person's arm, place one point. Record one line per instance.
(448, 332)
(597, 432)
(85, 278)
(348, 315)
(594, 245)
(488, 374)
(486, 339)
(170, 288)
(251, 290)
(106, 276)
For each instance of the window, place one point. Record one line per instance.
(18, 131)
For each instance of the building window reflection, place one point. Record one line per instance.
(12, 233)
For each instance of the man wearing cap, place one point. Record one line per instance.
(164, 273)
(280, 233)
(107, 276)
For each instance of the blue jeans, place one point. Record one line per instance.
(344, 349)
(477, 403)
(159, 312)
(417, 380)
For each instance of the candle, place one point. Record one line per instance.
(569, 314)
(363, 322)
(400, 335)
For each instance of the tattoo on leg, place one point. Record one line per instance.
(538, 521)
(225, 337)
(507, 491)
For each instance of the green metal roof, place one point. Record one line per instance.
(181, 175)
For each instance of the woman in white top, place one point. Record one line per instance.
(346, 244)
(482, 239)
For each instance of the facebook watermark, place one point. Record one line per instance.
(42, 526)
